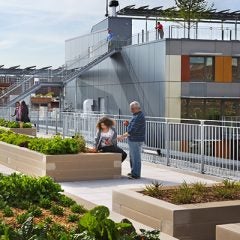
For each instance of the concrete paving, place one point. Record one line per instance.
(100, 191)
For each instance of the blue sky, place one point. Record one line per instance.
(33, 32)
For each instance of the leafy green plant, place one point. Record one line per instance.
(199, 188)
(73, 218)
(99, 226)
(35, 211)
(78, 209)
(56, 210)
(65, 201)
(13, 124)
(45, 203)
(50, 146)
(21, 218)
(183, 194)
(154, 190)
(7, 211)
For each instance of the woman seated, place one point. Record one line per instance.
(106, 137)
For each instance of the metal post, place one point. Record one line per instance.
(146, 30)
(196, 30)
(236, 29)
(47, 122)
(38, 127)
(222, 31)
(202, 145)
(167, 145)
(142, 35)
(230, 34)
(138, 38)
(56, 123)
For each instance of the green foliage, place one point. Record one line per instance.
(78, 209)
(13, 124)
(17, 188)
(65, 201)
(49, 146)
(21, 218)
(199, 188)
(192, 10)
(99, 226)
(45, 203)
(183, 194)
(56, 210)
(7, 211)
(73, 218)
(35, 211)
(228, 190)
(154, 190)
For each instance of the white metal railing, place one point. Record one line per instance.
(210, 147)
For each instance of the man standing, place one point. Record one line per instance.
(136, 136)
(159, 29)
(109, 39)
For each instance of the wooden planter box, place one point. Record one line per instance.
(185, 222)
(228, 232)
(71, 167)
(25, 131)
(41, 100)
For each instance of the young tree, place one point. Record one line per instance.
(190, 10)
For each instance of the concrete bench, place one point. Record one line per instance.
(228, 231)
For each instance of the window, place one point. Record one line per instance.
(211, 109)
(236, 69)
(201, 69)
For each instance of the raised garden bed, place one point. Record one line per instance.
(13, 126)
(35, 208)
(68, 167)
(186, 221)
(62, 159)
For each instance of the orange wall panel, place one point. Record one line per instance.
(219, 69)
(185, 68)
(227, 70)
(223, 69)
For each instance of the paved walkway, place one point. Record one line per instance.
(100, 191)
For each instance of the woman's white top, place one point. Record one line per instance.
(106, 138)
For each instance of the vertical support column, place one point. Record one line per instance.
(196, 30)
(167, 144)
(222, 31)
(146, 29)
(202, 146)
(142, 35)
(47, 121)
(236, 29)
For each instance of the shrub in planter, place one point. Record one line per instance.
(50, 146)
(13, 124)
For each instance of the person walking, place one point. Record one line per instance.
(106, 138)
(23, 113)
(17, 111)
(136, 137)
(160, 32)
(110, 39)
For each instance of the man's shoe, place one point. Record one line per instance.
(133, 177)
(129, 174)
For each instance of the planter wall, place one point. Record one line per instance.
(72, 167)
(25, 131)
(185, 222)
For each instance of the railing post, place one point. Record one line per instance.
(64, 125)
(56, 123)
(142, 36)
(202, 145)
(167, 143)
(38, 127)
(47, 122)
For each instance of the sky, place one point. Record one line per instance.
(34, 32)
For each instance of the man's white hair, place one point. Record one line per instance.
(135, 104)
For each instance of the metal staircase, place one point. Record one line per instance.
(26, 86)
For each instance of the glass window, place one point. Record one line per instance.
(213, 109)
(236, 69)
(196, 109)
(231, 108)
(201, 69)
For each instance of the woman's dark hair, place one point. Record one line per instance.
(107, 121)
(23, 103)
